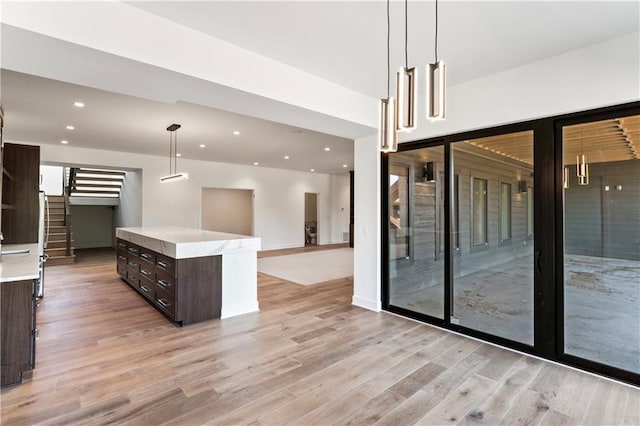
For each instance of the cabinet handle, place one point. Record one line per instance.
(36, 334)
(145, 272)
(146, 255)
(133, 264)
(164, 283)
(133, 249)
(164, 302)
(145, 289)
(122, 258)
(163, 264)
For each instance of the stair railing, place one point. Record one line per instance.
(67, 220)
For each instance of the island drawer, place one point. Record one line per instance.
(122, 269)
(147, 288)
(133, 250)
(133, 278)
(147, 272)
(122, 245)
(166, 283)
(165, 302)
(147, 256)
(133, 264)
(165, 263)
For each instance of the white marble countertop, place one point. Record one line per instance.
(22, 266)
(183, 243)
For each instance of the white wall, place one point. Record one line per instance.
(340, 207)
(279, 194)
(51, 178)
(129, 212)
(601, 75)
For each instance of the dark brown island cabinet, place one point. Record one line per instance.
(18, 331)
(185, 290)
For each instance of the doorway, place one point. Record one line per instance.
(310, 219)
(227, 210)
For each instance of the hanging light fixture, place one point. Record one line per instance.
(406, 88)
(173, 156)
(387, 129)
(582, 167)
(436, 83)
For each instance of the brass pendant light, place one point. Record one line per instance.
(436, 83)
(406, 87)
(388, 139)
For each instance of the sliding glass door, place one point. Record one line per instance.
(493, 266)
(416, 231)
(601, 274)
(526, 235)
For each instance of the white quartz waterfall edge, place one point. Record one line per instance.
(309, 268)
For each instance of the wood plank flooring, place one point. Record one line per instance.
(309, 357)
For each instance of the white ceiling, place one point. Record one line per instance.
(339, 41)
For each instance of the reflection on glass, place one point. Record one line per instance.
(505, 211)
(493, 281)
(479, 211)
(602, 246)
(416, 267)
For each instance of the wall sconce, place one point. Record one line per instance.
(618, 187)
(522, 186)
(606, 188)
(429, 172)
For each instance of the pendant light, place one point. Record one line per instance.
(173, 156)
(436, 83)
(387, 130)
(406, 89)
(582, 167)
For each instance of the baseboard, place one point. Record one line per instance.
(372, 305)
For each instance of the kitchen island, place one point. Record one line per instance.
(190, 275)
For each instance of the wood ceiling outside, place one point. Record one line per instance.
(602, 141)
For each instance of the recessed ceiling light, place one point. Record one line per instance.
(70, 127)
(202, 145)
(178, 155)
(256, 163)
(286, 157)
(78, 104)
(327, 149)
(312, 170)
(64, 142)
(344, 165)
(236, 132)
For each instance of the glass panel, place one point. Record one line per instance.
(416, 267)
(493, 281)
(602, 243)
(505, 211)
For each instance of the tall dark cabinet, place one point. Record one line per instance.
(20, 186)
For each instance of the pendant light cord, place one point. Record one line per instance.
(388, 52)
(436, 38)
(406, 37)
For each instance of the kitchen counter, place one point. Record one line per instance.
(184, 243)
(239, 259)
(22, 266)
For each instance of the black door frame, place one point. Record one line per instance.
(548, 240)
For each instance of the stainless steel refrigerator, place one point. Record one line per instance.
(43, 235)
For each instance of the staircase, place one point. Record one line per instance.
(60, 237)
(87, 183)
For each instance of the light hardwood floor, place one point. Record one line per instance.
(105, 356)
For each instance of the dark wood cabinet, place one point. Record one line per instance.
(20, 186)
(18, 330)
(185, 290)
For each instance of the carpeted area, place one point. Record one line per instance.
(310, 268)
